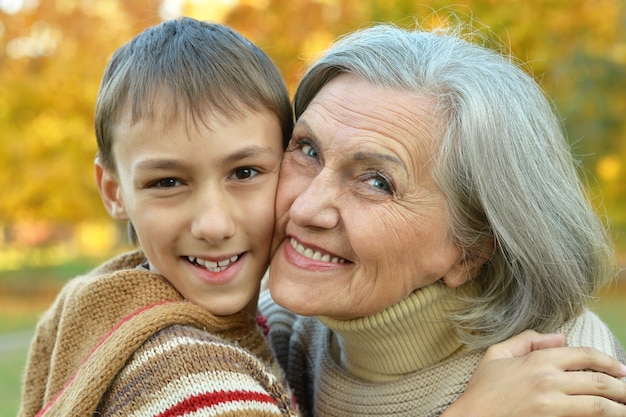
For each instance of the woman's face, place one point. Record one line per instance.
(361, 222)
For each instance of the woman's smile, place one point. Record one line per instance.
(315, 254)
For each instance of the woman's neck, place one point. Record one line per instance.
(410, 335)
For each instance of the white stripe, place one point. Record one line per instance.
(196, 384)
(221, 409)
(171, 344)
(161, 349)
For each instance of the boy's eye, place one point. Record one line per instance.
(244, 173)
(166, 183)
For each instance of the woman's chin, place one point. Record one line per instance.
(291, 298)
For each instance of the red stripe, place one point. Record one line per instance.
(210, 399)
(100, 342)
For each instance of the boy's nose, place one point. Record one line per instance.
(213, 219)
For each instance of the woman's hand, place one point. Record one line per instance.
(526, 376)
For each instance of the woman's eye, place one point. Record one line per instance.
(166, 183)
(244, 173)
(305, 145)
(308, 150)
(380, 183)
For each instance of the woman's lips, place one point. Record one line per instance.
(314, 254)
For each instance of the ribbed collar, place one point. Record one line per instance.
(403, 338)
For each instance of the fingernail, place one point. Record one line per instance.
(623, 368)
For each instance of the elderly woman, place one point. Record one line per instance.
(428, 207)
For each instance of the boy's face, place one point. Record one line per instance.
(201, 201)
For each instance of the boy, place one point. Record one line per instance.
(191, 121)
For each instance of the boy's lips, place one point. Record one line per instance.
(214, 266)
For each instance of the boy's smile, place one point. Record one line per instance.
(217, 272)
(201, 199)
(214, 266)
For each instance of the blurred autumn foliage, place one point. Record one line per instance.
(53, 53)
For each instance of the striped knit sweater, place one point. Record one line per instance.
(122, 341)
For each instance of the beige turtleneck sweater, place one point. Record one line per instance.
(406, 337)
(404, 361)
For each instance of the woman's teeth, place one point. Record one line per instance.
(218, 266)
(315, 254)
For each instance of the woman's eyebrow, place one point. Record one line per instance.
(302, 124)
(358, 156)
(374, 156)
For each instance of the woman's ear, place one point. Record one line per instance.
(110, 191)
(468, 267)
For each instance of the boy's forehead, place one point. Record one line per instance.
(168, 112)
(168, 116)
(154, 138)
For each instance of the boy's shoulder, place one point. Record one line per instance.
(118, 283)
(588, 329)
(119, 263)
(126, 260)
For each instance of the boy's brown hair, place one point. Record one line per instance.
(198, 68)
(192, 70)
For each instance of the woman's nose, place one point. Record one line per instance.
(213, 218)
(317, 205)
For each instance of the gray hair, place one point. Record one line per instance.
(513, 193)
(200, 68)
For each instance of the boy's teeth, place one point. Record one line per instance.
(315, 254)
(213, 266)
(206, 264)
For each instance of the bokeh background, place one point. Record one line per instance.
(53, 53)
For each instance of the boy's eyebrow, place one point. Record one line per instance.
(152, 164)
(167, 164)
(247, 152)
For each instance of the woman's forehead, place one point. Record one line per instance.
(368, 115)
(360, 102)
